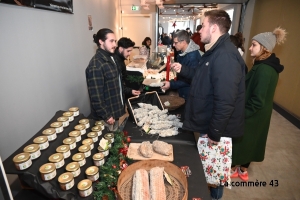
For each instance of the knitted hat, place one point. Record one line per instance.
(269, 39)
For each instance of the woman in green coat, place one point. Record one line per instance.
(261, 82)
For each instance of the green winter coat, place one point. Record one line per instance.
(261, 82)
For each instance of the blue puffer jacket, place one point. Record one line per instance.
(189, 58)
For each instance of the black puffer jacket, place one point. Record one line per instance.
(216, 103)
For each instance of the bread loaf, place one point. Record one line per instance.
(146, 149)
(162, 147)
(157, 186)
(140, 186)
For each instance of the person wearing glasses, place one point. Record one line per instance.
(189, 55)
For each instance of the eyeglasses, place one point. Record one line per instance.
(176, 42)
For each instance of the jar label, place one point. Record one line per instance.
(82, 162)
(70, 185)
(87, 154)
(50, 175)
(35, 154)
(67, 154)
(44, 145)
(25, 165)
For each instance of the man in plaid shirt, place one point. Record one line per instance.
(103, 77)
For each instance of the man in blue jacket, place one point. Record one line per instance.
(216, 103)
(189, 56)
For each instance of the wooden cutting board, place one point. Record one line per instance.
(134, 153)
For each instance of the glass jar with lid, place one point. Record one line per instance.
(50, 133)
(86, 149)
(42, 141)
(34, 150)
(65, 150)
(66, 181)
(64, 121)
(57, 159)
(22, 161)
(75, 111)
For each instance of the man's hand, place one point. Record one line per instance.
(210, 142)
(135, 92)
(176, 67)
(166, 85)
(110, 121)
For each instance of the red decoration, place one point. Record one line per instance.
(123, 151)
(125, 133)
(114, 166)
(128, 139)
(168, 69)
(123, 164)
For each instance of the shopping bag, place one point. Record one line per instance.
(216, 160)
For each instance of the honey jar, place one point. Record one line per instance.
(105, 152)
(92, 173)
(42, 141)
(57, 159)
(88, 141)
(97, 129)
(22, 161)
(50, 133)
(85, 122)
(80, 128)
(58, 126)
(69, 115)
(80, 158)
(109, 136)
(66, 181)
(86, 149)
(100, 123)
(75, 111)
(85, 187)
(64, 121)
(74, 168)
(98, 159)
(48, 171)
(34, 150)
(71, 141)
(65, 150)
(93, 136)
(76, 135)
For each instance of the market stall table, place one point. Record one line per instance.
(185, 154)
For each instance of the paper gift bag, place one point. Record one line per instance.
(216, 160)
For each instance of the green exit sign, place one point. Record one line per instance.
(135, 8)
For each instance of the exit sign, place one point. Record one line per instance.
(135, 8)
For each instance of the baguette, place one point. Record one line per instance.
(157, 186)
(140, 186)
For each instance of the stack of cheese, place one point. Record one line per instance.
(156, 121)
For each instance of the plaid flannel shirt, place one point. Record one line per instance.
(102, 77)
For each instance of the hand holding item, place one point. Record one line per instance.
(176, 67)
(110, 121)
(135, 92)
(166, 85)
(210, 142)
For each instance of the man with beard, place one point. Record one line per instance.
(122, 52)
(216, 104)
(103, 77)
